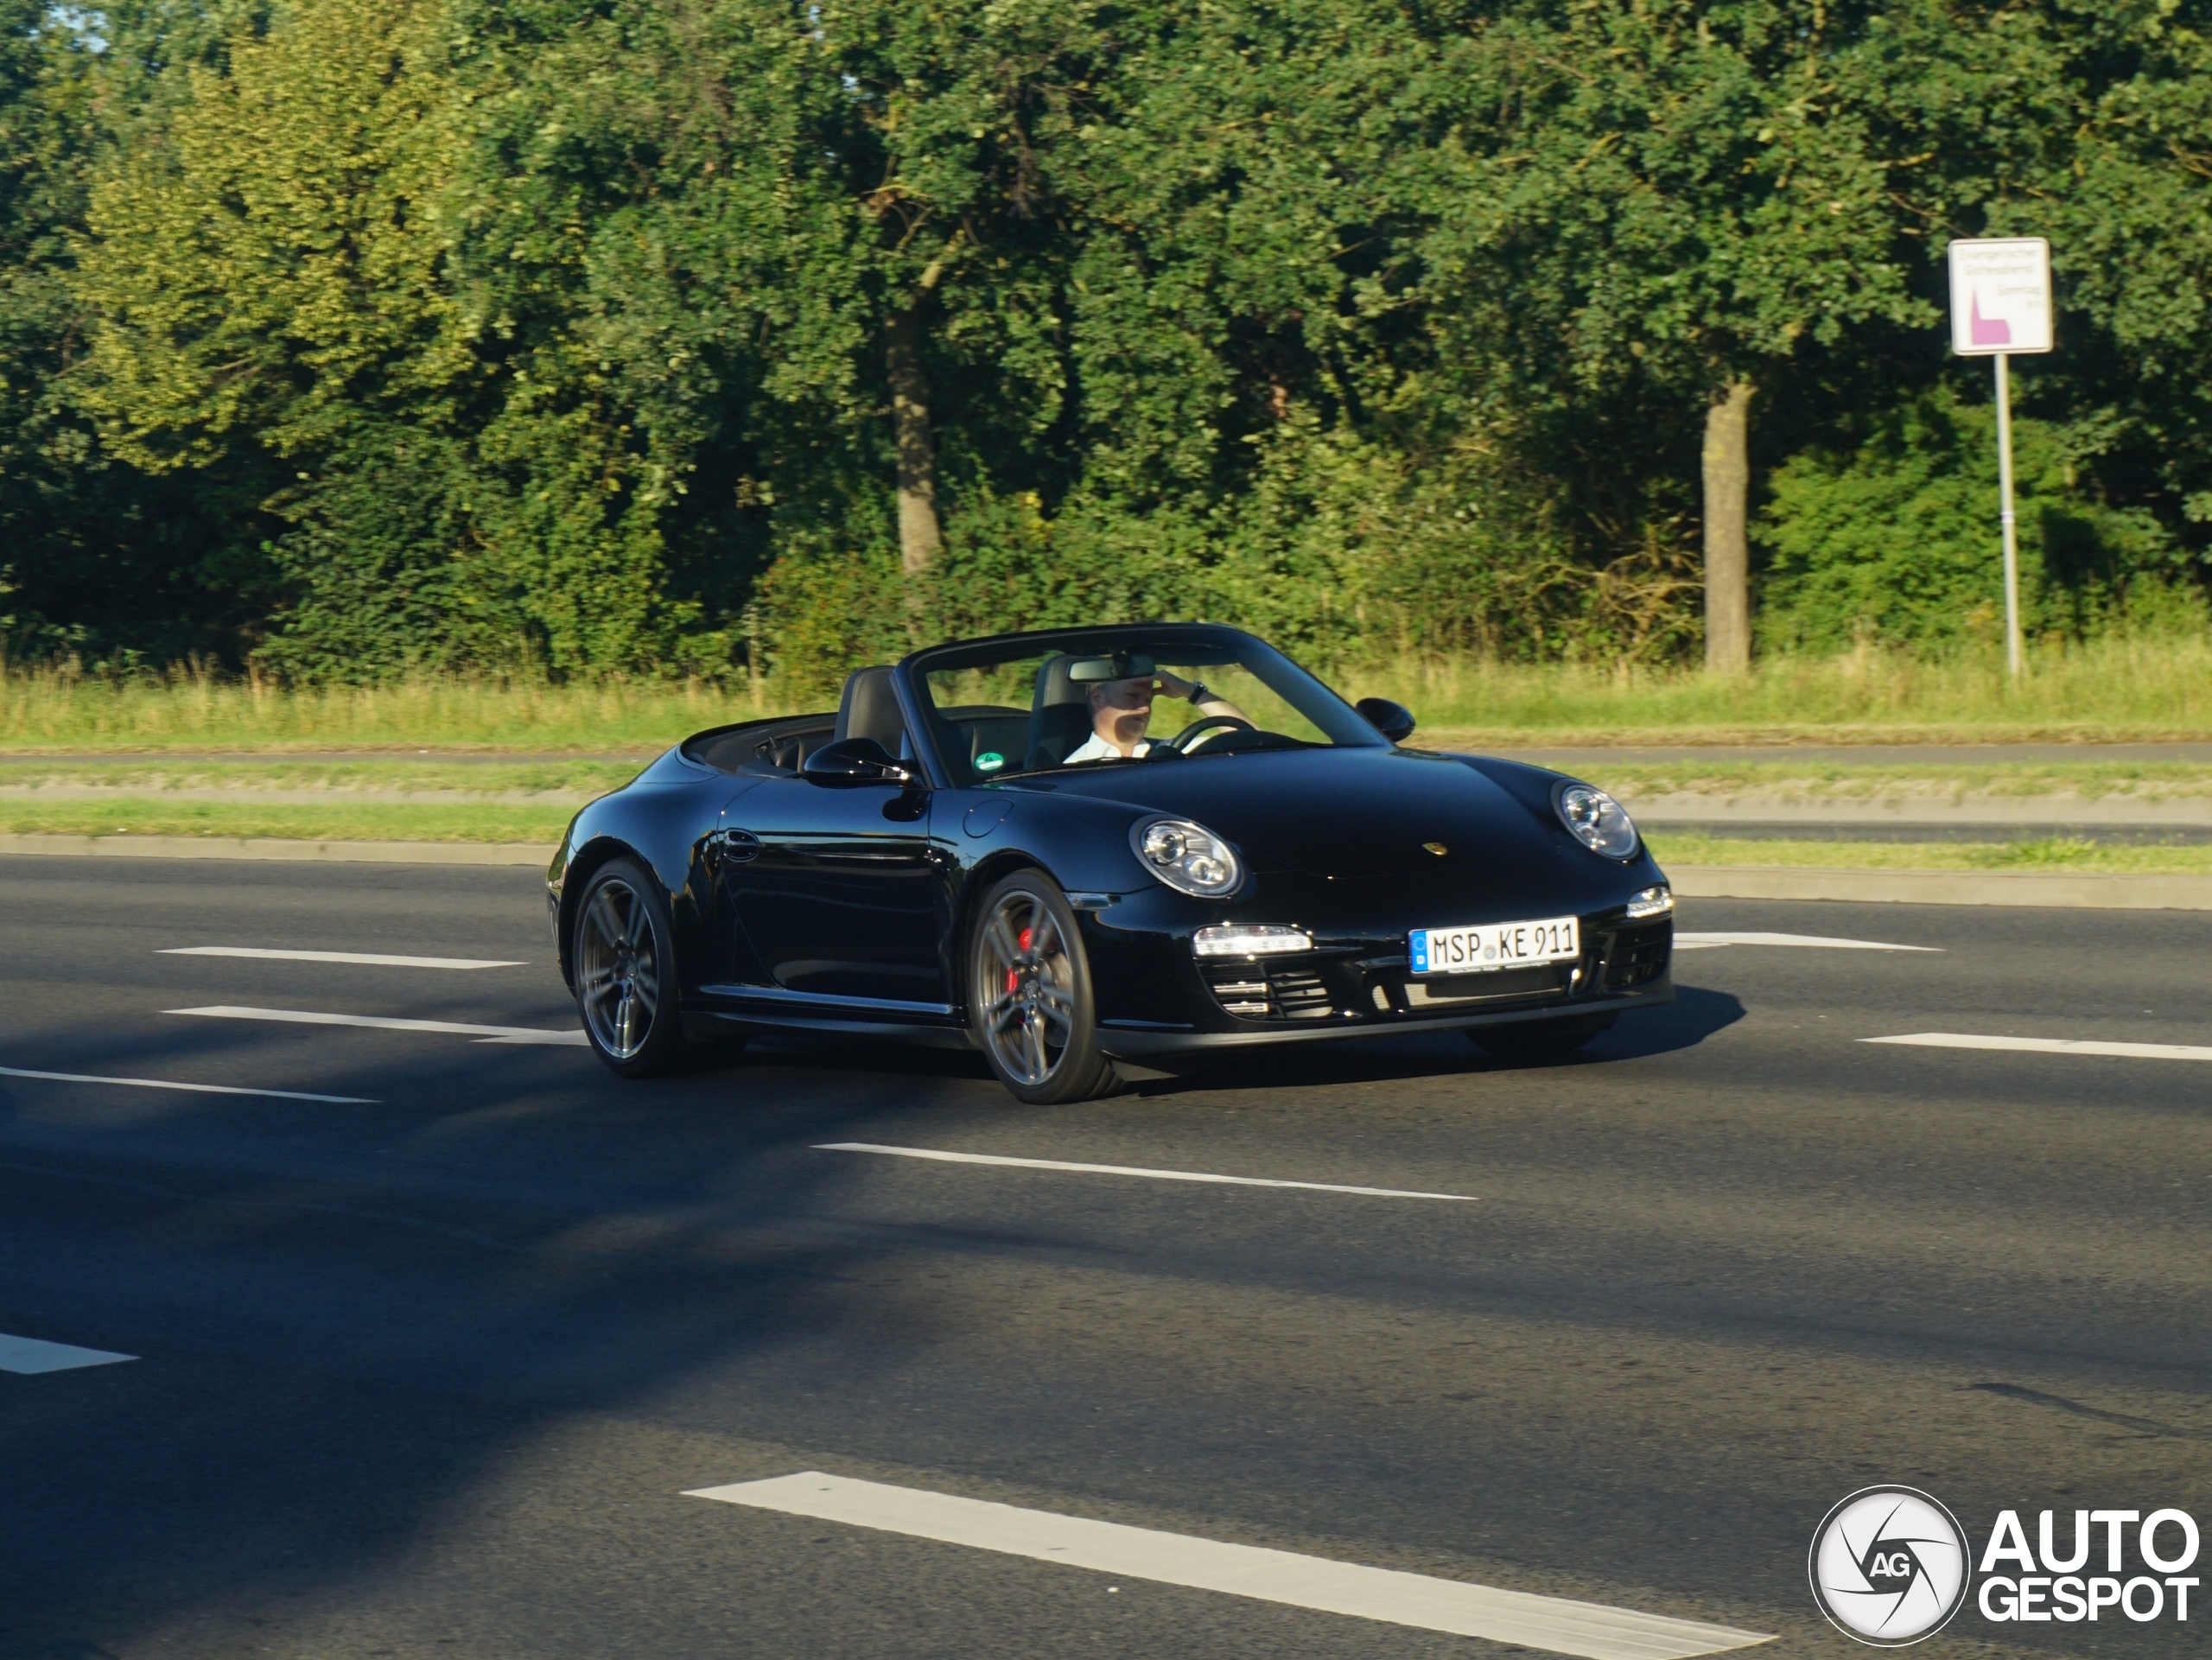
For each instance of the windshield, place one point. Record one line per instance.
(1121, 697)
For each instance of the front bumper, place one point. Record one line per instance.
(1154, 997)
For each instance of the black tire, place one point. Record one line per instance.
(1540, 1041)
(1030, 1007)
(621, 954)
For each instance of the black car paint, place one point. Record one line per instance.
(843, 907)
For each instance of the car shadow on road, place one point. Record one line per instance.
(1694, 1016)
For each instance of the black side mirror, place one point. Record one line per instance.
(855, 760)
(1394, 721)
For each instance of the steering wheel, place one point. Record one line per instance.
(1189, 738)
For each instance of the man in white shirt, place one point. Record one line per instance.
(1120, 709)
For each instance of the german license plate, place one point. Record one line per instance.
(1494, 945)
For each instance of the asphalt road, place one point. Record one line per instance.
(431, 1374)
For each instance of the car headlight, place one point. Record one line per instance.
(1595, 820)
(1188, 857)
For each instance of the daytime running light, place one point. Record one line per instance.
(1249, 940)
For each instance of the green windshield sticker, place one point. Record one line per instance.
(989, 761)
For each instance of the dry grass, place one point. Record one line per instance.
(45, 712)
(339, 820)
(2056, 855)
(2117, 690)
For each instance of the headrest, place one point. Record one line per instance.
(1060, 715)
(869, 709)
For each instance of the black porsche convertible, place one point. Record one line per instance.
(1099, 845)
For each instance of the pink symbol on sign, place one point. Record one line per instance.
(1986, 331)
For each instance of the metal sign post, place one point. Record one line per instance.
(2000, 304)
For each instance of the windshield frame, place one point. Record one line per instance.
(908, 676)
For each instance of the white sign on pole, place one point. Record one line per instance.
(2000, 304)
(2000, 295)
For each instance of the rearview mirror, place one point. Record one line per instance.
(1394, 721)
(854, 760)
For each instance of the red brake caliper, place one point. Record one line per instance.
(1012, 978)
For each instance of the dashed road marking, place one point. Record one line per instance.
(2052, 1045)
(377, 959)
(1129, 1170)
(196, 1088)
(29, 1355)
(391, 1023)
(1555, 1624)
(1693, 942)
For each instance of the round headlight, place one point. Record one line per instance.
(1188, 857)
(1595, 820)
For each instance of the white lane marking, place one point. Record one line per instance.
(1127, 1170)
(1468, 1610)
(377, 959)
(390, 1023)
(1706, 942)
(2052, 1045)
(197, 1089)
(29, 1355)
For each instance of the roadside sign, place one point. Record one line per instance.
(2000, 305)
(2000, 295)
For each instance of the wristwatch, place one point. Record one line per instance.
(1199, 693)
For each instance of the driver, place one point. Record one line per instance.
(1120, 709)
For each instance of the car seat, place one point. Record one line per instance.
(869, 709)
(1059, 714)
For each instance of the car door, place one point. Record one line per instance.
(835, 891)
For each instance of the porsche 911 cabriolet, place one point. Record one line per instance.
(1094, 846)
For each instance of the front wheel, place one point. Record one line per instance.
(1029, 997)
(625, 969)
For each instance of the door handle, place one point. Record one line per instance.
(732, 846)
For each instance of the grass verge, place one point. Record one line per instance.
(1801, 781)
(2117, 690)
(506, 823)
(578, 780)
(366, 821)
(2120, 688)
(2057, 854)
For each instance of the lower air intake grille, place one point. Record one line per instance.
(1639, 956)
(1299, 994)
(1254, 991)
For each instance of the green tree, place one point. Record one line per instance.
(1678, 194)
(263, 266)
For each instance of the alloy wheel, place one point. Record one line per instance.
(618, 968)
(1025, 987)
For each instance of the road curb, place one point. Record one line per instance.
(2089, 890)
(236, 847)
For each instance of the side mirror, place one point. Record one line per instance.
(1394, 721)
(854, 760)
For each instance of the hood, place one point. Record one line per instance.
(1345, 814)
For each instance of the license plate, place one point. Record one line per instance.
(1494, 945)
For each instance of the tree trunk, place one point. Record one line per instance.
(921, 538)
(1727, 545)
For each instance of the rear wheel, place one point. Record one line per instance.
(1029, 996)
(624, 971)
(1540, 1041)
